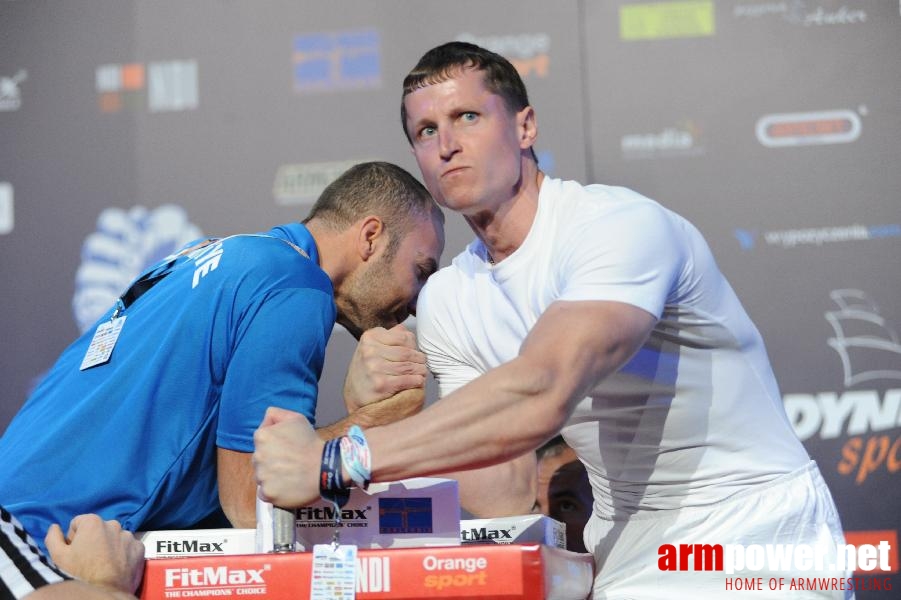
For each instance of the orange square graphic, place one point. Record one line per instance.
(133, 76)
(110, 102)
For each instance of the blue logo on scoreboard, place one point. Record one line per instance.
(405, 515)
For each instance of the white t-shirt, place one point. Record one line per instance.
(695, 417)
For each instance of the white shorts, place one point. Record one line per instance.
(795, 508)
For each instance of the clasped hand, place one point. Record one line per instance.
(385, 362)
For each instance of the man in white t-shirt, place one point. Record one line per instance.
(591, 311)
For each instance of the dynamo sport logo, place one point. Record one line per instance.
(125, 244)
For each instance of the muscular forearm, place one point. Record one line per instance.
(237, 487)
(512, 409)
(399, 406)
(242, 514)
(505, 413)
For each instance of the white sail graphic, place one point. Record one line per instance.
(868, 347)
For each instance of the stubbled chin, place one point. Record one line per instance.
(351, 328)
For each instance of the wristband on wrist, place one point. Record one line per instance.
(331, 487)
(356, 458)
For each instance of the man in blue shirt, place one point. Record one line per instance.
(160, 433)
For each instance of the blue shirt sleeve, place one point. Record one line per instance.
(277, 359)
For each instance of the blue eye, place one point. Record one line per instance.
(469, 116)
(427, 132)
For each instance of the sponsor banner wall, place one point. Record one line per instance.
(131, 127)
(771, 126)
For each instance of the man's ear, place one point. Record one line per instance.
(527, 125)
(370, 236)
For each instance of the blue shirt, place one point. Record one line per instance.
(235, 327)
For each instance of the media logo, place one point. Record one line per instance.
(529, 53)
(808, 128)
(405, 515)
(125, 244)
(344, 60)
(7, 212)
(666, 20)
(169, 86)
(10, 94)
(301, 184)
(682, 139)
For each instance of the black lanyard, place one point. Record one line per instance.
(151, 278)
(141, 287)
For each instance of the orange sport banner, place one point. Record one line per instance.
(479, 571)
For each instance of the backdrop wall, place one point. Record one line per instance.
(130, 127)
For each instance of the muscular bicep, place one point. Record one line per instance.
(576, 344)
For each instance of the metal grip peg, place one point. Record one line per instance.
(284, 530)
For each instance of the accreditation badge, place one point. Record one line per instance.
(103, 342)
(334, 575)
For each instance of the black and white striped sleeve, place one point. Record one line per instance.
(23, 568)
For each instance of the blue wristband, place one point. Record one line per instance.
(331, 487)
(356, 457)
